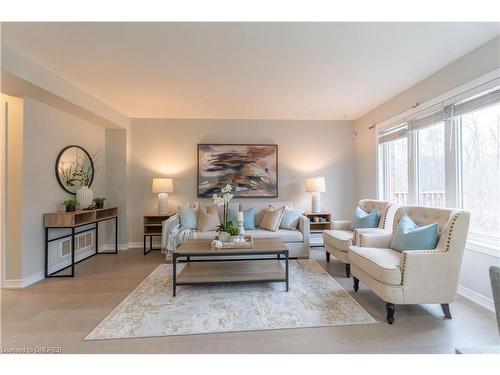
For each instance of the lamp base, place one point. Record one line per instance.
(162, 204)
(316, 202)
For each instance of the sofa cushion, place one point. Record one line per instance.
(290, 219)
(286, 235)
(248, 218)
(261, 207)
(272, 218)
(364, 219)
(208, 218)
(188, 217)
(409, 236)
(232, 206)
(380, 264)
(338, 239)
(210, 235)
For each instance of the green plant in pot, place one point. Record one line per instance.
(70, 204)
(233, 230)
(99, 202)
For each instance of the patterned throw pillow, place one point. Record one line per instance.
(208, 218)
(272, 218)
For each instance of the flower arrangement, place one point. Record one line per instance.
(224, 199)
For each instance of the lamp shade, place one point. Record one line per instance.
(315, 185)
(163, 185)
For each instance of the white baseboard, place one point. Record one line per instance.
(23, 283)
(109, 247)
(31, 279)
(477, 298)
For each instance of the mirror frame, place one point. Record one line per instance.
(57, 167)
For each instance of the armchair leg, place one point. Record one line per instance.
(389, 307)
(446, 310)
(348, 270)
(356, 284)
(327, 256)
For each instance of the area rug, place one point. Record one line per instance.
(315, 299)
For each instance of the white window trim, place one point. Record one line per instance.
(475, 242)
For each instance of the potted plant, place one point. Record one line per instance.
(220, 200)
(99, 202)
(70, 205)
(234, 231)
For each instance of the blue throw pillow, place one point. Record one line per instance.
(188, 217)
(409, 236)
(248, 218)
(362, 219)
(290, 219)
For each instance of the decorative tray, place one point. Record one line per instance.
(244, 243)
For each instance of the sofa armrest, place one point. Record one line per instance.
(430, 275)
(305, 228)
(340, 224)
(379, 239)
(356, 241)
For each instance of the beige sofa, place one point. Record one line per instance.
(338, 240)
(296, 241)
(414, 276)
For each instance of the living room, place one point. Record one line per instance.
(250, 187)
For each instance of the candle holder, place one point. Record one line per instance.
(241, 228)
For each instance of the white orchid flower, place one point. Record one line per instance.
(227, 197)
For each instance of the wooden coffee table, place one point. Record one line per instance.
(218, 269)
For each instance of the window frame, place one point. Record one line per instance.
(453, 177)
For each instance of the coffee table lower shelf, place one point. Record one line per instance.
(230, 272)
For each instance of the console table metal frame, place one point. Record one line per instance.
(188, 254)
(72, 235)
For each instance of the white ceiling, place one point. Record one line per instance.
(245, 70)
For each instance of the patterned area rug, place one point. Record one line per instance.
(315, 299)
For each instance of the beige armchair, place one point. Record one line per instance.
(338, 240)
(414, 276)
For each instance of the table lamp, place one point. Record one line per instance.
(316, 185)
(163, 186)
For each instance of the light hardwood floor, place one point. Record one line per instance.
(61, 312)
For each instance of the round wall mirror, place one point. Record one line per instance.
(74, 168)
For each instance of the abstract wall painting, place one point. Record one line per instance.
(253, 169)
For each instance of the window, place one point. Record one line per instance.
(448, 156)
(480, 169)
(397, 170)
(431, 166)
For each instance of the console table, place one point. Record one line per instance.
(72, 221)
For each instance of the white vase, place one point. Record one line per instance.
(85, 197)
(224, 236)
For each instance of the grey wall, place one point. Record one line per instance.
(471, 66)
(167, 147)
(117, 181)
(478, 62)
(46, 131)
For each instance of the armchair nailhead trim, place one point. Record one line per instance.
(450, 231)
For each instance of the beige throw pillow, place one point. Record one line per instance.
(208, 218)
(272, 218)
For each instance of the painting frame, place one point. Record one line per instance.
(201, 194)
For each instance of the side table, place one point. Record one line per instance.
(152, 228)
(317, 227)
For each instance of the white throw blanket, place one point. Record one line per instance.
(174, 235)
